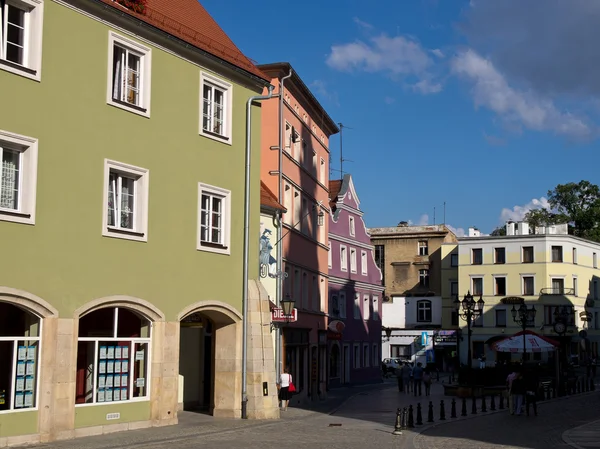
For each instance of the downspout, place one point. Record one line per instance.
(247, 246)
(279, 289)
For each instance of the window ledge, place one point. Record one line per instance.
(19, 69)
(126, 234)
(214, 248)
(16, 217)
(129, 107)
(215, 136)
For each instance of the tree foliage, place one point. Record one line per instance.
(500, 230)
(577, 204)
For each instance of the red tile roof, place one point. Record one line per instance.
(268, 198)
(334, 190)
(190, 22)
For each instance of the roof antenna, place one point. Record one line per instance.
(341, 125)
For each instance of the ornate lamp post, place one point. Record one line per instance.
(388, 333)
(523, 316)
(469, 310)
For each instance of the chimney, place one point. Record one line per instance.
(510, 228)
(562, 229)
(540, 230)
(522, 228)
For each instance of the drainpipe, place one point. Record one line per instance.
(247, 246)
(279, 246)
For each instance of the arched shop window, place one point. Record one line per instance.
(19, 355)
(112, 356)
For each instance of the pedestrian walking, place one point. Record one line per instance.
(511, 400)
(518, 391)
(286, 388)
(406, 372)
(399, 378)
(427, 382)
(531, 388)
(417, 378)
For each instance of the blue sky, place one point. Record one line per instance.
(484, 105)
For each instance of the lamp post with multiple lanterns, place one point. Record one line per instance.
(523, 316)
(469, 310)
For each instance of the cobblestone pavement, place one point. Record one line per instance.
(584, 437)
(501, 430)
(365, 419)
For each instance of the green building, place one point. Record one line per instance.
(122, 136)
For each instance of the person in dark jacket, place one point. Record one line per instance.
(518, 390)
(531, 388)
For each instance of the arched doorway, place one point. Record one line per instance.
(209, 356)
(196, 349)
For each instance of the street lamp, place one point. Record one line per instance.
(523, 316)
(469, 310)
(388, 333)
(287, 304)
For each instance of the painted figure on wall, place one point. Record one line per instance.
(267, 262)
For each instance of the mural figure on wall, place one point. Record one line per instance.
(268, 264)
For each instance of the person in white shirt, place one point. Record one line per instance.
(285, 379)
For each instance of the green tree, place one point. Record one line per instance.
(500, 230)
(575, 203)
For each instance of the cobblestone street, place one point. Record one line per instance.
(363, 417)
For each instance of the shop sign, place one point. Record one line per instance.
(333, 335)
(441, 337)
(336, 326)
(277, 316)
(512, 300)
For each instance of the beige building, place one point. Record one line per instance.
(542, 267)
(410, 258)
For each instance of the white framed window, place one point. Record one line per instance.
(18, 178)
(353, 260)
(375, 308)
(342, 303)
(322, 294)
(343, 258)
(129, 74)
(214, 221)
(357, 306)
(287, 203)
(20, 347)
(351, 226)
(366, 357)
(329, 255)
(575, 287)
(216, 109)
(125, 206)
(315, 297)
(477, 286)
(21, 37)
(287, 144)
(366, 307)
(322, 171)
(423, 248)
(363, 262)
(297, 145)
(424, 311)
(297, 221)
(113, 357)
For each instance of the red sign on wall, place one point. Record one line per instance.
(277, 316)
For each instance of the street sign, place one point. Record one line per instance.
(277, 316)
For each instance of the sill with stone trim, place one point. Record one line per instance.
(124, 231)
(216, 135)
(14, 213)
(129, 105)
(14, 65)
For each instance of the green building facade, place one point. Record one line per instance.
(121, 217)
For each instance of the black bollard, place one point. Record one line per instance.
(419, 415)
(405, 418)
(398, 424)
(493, 403)
(430, 412)
(473, 406)
(411, 419)
(442, 411)
(463, 411)
(483, 404)
(453, 409)
(501, 405)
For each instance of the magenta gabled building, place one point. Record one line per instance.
(355, 292)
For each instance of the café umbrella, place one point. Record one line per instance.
(533, 343)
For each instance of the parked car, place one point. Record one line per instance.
(391, 365)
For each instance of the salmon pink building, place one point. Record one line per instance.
(355, 292)
(295, 167)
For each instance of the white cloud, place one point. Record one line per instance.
(459, 232)
(363, 25)
(517, 213)
(389, 100)
(423, 220)
(437, 52)
(491, 90)
(398, 57)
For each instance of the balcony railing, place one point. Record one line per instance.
(562, 291)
